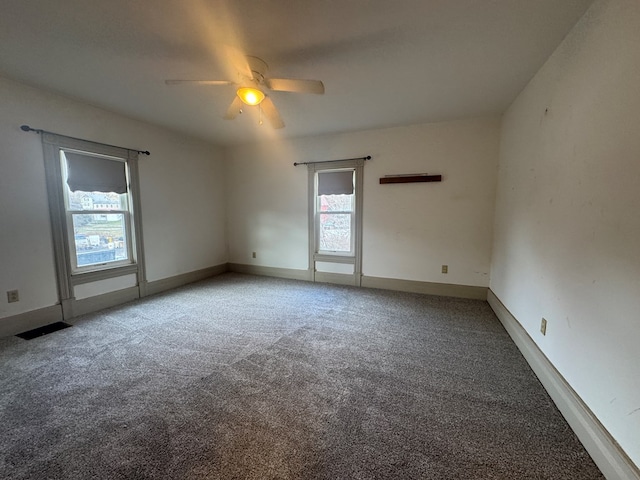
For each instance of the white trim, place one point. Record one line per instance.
(290, 273)
(136, 214)
(96, 275)
(605, 451)
(357, 165)
(67, 273)
(357, 269)
(322, 257)
(176, 281)
(427, 288)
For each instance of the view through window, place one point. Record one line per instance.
(335, 223)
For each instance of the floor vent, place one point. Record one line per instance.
(38, 332)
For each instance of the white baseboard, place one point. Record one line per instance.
(429, 288)
(290, 273)
(23, 322)
(176, 281)
(605, 451)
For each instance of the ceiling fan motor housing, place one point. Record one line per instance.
(258, 67)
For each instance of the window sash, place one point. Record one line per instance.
(73, 252)
(352, 226)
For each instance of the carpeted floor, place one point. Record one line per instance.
(243, 377)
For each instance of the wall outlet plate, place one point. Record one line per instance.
(13, 296)
(445, 268)
(543, 326)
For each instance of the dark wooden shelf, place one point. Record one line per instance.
(411, 179)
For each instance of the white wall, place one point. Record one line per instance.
(181, 187)
(409, 230)
(567, 234)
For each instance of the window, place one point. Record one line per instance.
(97, 215)
(335, 221)
(335, 212)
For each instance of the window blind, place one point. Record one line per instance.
(93, 174)
(335, 183)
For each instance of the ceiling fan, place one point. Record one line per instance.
(251, 83)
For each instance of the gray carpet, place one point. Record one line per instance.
(243, 377)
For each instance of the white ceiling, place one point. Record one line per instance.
(384, 63)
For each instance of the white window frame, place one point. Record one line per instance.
(318, 212)
(67, 272)
(315, 255)
(73, 257)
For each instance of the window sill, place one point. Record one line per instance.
(335, 257)
(110, 272)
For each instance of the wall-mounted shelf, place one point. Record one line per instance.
(413, 178)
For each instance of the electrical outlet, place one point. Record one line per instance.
(543, 326)
(253, 254)
(13, 296)
(445, 268)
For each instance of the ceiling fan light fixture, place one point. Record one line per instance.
(250, 96)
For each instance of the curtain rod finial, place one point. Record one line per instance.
(27, 128)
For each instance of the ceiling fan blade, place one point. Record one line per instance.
(293, 85)
(271, 112)
(234, 109)
(198, 82)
